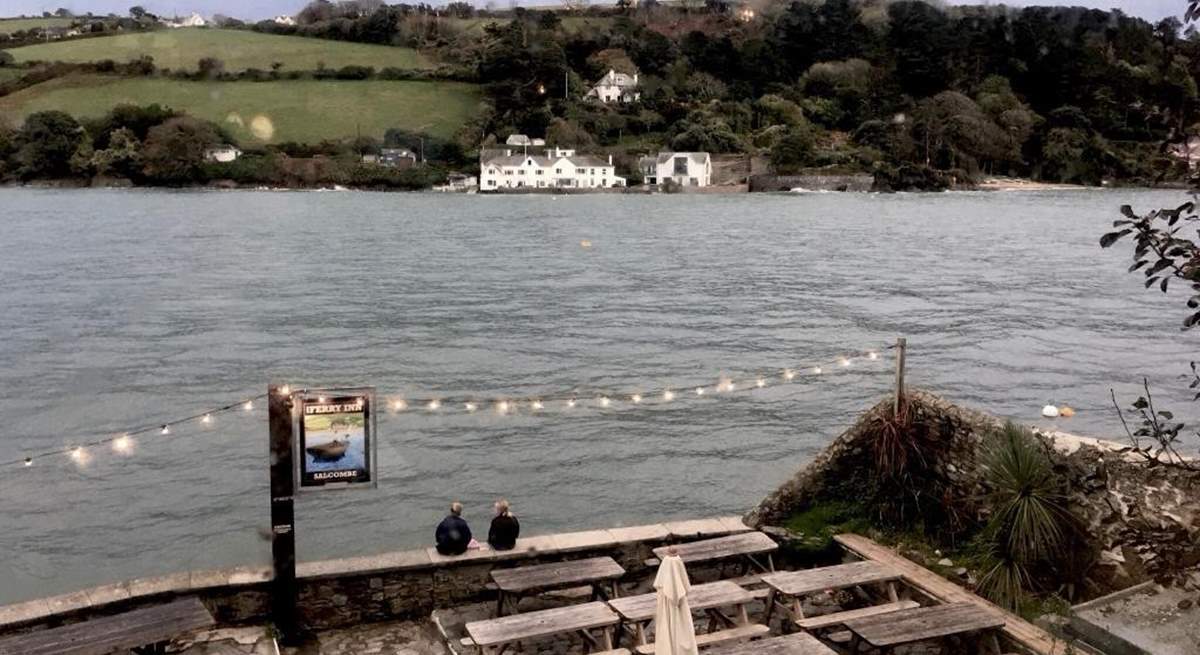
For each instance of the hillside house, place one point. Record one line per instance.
(616, 87)
(284, 20)
(552, 168)
(686, 169)
(224, 153)
(397, 158)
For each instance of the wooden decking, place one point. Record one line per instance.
(1016, 629)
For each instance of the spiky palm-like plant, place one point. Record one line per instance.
(1030, 521)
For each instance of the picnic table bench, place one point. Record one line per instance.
(794, 585)
(639, 611)
(513, 584)
(143, 631)
(494, 635)
(887, 631)
(795, 644)
(747, 545)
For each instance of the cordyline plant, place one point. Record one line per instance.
(1164, 251)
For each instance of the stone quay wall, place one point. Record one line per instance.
(1142, 519)
(780, 183)
(345, 592)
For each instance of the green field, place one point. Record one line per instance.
(267, 112)
(10, 25)
(7, 74)
(239, 50)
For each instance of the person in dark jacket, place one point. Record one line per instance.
(453, 534)
(505, 528)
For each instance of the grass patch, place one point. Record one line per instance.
(180, 49)
(7, 74)
(10, 25)
(306, 111)
(818, 525)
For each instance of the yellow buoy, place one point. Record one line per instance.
(585, 244)
(1066, 411)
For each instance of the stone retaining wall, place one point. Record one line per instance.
(1143, 520)
(345, 592)
(780, 183)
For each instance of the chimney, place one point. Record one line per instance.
(635, 78)
(610, 160)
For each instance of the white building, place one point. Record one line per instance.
(520, 140)
(195, 20)
(686, 169)
(223, 153)
(616, 87)
(552, 168)
(284, 20)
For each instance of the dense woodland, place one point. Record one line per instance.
(920, 95)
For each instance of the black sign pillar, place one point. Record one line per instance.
(283, 529)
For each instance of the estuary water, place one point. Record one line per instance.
(120, 309)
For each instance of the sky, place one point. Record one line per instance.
(256, 9)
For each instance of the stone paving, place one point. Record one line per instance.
(392, 638)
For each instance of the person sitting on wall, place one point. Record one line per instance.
(453, 534)
(505, 527)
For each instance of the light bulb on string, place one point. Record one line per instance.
(604, 401)
(668, 395)
(699, 391)
(537, 404)
(817, 370)
(636, 398)
(434, 404)
(207, 418)
(571, 403)
(872, 355)
(285, 390)
(79, 455)
(471, 407)
(166, 429)
(249, 405)
(122, 444)
(789, 375)
(320, 399)
(844, 362)
(28, 461)
(760, 383)
(398, 405)
(502, 407)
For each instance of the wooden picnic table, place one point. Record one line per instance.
(142, 630)
(515, 583)
(494, 635)
(794, 585)
(746, 545)
(638, 611)
(794, 644)
(887, 631)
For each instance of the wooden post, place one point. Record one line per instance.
(283, 531)
(901, 351)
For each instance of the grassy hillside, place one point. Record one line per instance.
(10, 25)
(267, 112)
(7, 74)
(182, 48)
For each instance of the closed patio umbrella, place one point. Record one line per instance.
(674, 633)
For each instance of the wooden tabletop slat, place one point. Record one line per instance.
(701, 597)
(748, 543)
(106, 634)
(545, 623)
(919, 624)
(800, 643)
(842, 576)
(557, 574)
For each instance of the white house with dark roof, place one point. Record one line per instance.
(616, 87)
(509, 168)
(686, 169)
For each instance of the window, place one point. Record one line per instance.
(508, 172)
(692, 181)
(593, 171)
(521, 172)
(580, 171)
(681, 166)
(539, 171)
(558, 171)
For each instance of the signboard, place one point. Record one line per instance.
(336, 438)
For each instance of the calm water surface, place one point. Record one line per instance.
(125, 308)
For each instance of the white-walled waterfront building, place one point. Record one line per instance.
(554, 168)
(616, 87)
(685, 169)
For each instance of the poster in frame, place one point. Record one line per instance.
(336, 439)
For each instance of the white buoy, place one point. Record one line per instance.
(1050, 411)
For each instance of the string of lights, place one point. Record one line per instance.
(122, 442)
(567, 401)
